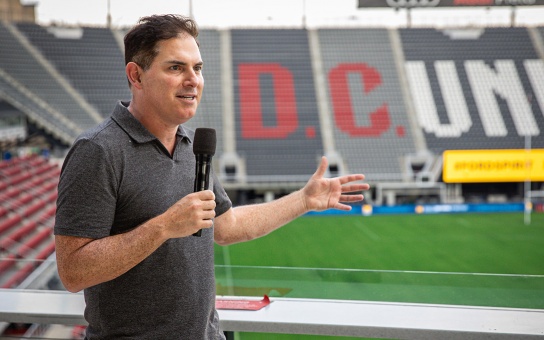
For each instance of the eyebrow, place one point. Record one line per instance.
(182, 63)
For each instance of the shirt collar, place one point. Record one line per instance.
(122, 116)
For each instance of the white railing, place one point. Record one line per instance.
(314, 316)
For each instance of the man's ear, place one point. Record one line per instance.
(134, 72)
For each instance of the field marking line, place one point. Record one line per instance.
(372, 235)
(390, 271)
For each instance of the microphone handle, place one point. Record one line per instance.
(202, 177)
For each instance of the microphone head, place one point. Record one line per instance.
(204, 142)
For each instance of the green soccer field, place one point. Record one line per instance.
(497, 243)
(475, 259)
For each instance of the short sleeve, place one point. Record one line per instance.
(86, 193)
(222, 200)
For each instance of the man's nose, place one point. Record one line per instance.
(192, 79)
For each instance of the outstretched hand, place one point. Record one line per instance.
(325, 193)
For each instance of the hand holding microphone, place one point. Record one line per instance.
(204, 148)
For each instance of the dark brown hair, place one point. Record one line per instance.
(142, 39)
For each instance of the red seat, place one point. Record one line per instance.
(7, 262)
(22, 273)
(17, 235)
(19, 276)
(3, 211)
(33, 243)
(9, 223)
(52, 197)
(24, 199)
(34, 208)
(46, 251)
(10, 193)
(20, 178)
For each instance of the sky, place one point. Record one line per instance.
(271, 13)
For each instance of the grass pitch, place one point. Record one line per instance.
(488, 259)
(498, 243)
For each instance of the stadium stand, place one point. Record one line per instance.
(89, 57)
(383, 102)
(28, 192)
(472, 88)
(386, 103)
(31, 71)
(366, 101)
(12, 124)
(36, 110)
(275, 104)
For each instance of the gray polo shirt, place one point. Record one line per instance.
(115, 177)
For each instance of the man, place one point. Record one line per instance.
(126, 211)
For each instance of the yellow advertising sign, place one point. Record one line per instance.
(464, 166)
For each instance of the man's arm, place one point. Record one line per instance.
(85, 262)
(252, 221)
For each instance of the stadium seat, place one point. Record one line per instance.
(473, 91)
(34, 208)
(22, 273)
(7, 241)
(33, 242)
(9, 223)
(7, 262)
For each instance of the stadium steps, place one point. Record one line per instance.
(65, 48)
(86, 115)
(27, 98)
(35, 87)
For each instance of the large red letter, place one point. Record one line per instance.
(341, 100)
(250, 101)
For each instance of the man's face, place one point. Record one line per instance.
(173, 84)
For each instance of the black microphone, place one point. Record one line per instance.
(204, 149)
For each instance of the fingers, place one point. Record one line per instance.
(351, 198)
(340, 206)
(322, 168)
(205, 195)
(347, 199)
(190, 214)
(351, 178)
(205, 203)
(355, 187)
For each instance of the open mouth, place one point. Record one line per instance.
(187, 97)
